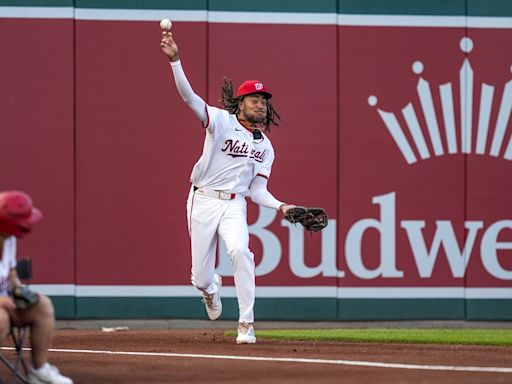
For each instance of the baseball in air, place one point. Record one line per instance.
(166, 24)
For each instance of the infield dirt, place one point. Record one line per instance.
(96, 367)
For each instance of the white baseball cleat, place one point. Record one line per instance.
(47, 374)
(212, 301)
(245, 334)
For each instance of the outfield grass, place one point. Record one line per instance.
(498, 337)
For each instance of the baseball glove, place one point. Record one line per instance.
(23, 297)
(313, 219)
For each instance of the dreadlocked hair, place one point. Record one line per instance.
(230, 103)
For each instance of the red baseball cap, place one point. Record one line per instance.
(253, 86)
(17, 213)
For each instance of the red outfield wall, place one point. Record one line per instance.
(95, 131)
(37, 128)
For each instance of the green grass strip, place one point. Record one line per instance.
(466, 336)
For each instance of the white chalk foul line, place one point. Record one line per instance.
(293, 360)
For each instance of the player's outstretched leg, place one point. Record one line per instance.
(212, 301)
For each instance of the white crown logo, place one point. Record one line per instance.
(447, 103)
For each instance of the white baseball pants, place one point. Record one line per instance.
(210, 217)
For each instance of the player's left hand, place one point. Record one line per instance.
(285, 207)
(312, 219)
(7, 303)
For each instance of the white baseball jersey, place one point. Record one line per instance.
(7, 263)
(231, 157)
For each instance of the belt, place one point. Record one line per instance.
(218, 194)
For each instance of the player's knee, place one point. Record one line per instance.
(45, 307)
(240, 252)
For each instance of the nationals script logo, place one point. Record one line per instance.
(242, 149)
(451, 127)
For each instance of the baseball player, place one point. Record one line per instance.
(236, 162)
(18, 304)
